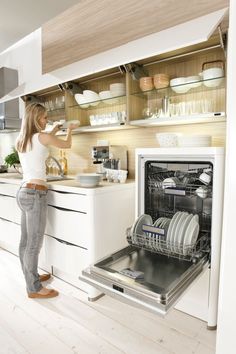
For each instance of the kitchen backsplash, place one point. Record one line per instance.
(79, 157)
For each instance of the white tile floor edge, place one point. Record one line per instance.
(71, 324)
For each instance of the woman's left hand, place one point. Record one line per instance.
(56, 129)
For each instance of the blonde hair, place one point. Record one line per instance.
(30, 125)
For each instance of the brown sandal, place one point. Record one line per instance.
(38, 295)
(44, 277)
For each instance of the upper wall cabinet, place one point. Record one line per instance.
(113, 27)
(179, 38)
(180, 81)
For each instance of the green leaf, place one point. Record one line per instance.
(12, 159)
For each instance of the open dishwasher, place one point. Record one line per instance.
(177, 232)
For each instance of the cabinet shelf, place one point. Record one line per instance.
(97, 128)
(177, 120)
(183, 89)
(104, 103)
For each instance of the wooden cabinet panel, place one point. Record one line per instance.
(92, 27)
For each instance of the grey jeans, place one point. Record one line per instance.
(33, 205)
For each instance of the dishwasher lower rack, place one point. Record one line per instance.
(153, 241)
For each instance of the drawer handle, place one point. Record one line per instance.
(63, 192)
(67, 243)
(64, 209)
(7, 220)
(6, 196)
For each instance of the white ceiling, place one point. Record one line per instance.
(18, 18)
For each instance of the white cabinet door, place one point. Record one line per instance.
(9, 236)
(8, 189)
(68, 225)
(72, 201)
(69, 258)
(9, 209)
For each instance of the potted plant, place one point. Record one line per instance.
(12, 160)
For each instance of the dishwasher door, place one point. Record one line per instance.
(160, 282)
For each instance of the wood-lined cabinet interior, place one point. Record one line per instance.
(203, 101)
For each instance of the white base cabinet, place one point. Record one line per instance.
(88, 228)
(83, 225)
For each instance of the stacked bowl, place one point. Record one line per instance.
(87, 98)
(161, 81)
(117, 89)
(91, 97)
(146, 83)
(88, 179)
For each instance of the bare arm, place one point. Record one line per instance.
(52, 140)
(55, 129)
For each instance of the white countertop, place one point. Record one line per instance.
(71, 185)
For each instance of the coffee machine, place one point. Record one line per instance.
(110, 157)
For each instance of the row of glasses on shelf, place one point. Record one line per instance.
(183, 108)
(108, 118)
(56, 103)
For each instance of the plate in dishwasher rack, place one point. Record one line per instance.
(169, 233)
(137, 228)
(179, 223)
(173, 232)
(191, 235)
(182, 231)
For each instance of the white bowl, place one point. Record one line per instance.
(117, 86)
(81, 100)
(210, 75)
(88, 179)
(117, 89)
(67, 123)
(107, 97)
(194, 81)
(104, 95)
(91, 96)
(167, 139)
(179, 85)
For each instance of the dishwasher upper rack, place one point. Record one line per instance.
(189, 190)
(155, 242)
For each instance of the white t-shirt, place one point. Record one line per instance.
(33, 161)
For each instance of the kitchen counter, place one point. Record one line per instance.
(70, 185)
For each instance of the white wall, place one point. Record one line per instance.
(227, 309)
(7, 142)
(25, 56)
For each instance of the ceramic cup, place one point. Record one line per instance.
(205, 178)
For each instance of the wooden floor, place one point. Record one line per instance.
(69, 324)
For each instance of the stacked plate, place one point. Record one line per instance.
(194, 140)
(182, 233)
(136, 231)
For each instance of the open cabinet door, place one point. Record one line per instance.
(180, 36)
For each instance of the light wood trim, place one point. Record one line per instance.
(93, 26)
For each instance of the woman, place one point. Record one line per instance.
(32, 146)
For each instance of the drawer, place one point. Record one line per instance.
(10, 236)
(66, 257)
(9, 209)
(8, 189)
(68, 225)
(73, 201)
